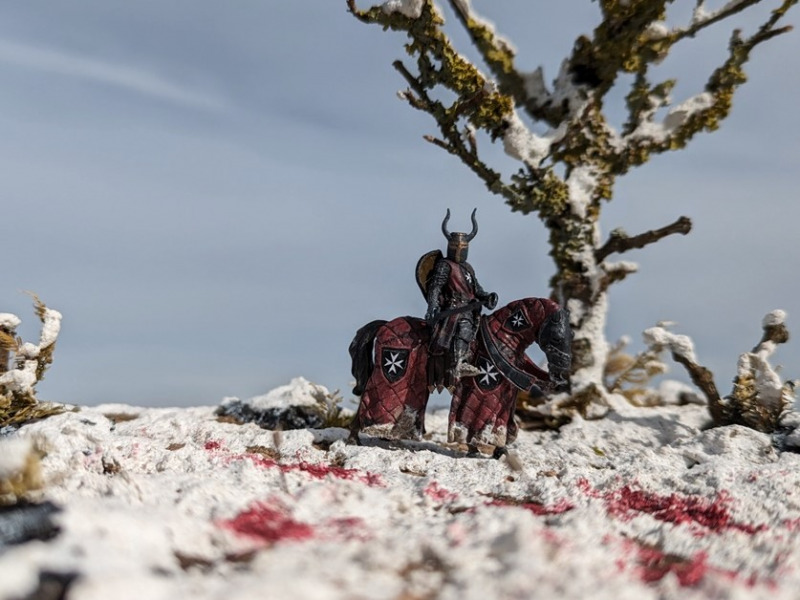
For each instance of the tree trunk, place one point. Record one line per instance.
(581, 283)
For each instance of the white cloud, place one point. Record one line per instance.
(118, 75)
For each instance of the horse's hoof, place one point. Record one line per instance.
(353, 439)
(473, 452)
(500, 452)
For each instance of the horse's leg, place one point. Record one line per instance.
(473, 452)
(395, 395)
(500, 452)
(355, 429)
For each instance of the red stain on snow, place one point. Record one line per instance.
(712, 514)
(269, 523)
(346, 528)
(439, 494)
(321, 471)
(314, 470)
(653, 565)
(791, 524)
(536, 508)
(677, 509)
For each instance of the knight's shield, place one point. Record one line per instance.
(516, 321)
(489, 377)
(394, 362)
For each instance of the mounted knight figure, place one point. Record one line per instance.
(455, 299)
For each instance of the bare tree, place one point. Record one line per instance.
(567, 173)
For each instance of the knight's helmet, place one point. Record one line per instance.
(458, 243)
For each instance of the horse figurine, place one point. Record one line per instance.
(394, 380)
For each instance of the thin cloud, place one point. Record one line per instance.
(129, 78)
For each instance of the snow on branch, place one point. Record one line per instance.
(760, 399)
(660, 338)
(410, 8)
(521, 143)
(528, 90)
(704, 111)
(702, 17)
(18, 401)
(661, 132)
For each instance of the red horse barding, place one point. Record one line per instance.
(394, 395)
(390, 364)
(482, 410)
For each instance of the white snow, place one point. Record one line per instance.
(465, 6)
(677, 116)
(768, 384)
(565, 92)
(642, 504)
(521, 143)
(13, 456)
(659, 337)
(51, 327)
(656, 30)
(673, 392)
(23, 379)
(535, 86)
(774, 318)
(9, 322)
(298, 392)
(700, 14)
(581, 182)
(20, 379)
(590, 326)
(409, 8)
(621, 266)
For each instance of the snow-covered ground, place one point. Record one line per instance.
(178, 503)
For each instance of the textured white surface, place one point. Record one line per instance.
(9, 321)
(409, 8)
(298, 392)
(172, 503)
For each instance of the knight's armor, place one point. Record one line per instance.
(454, 300)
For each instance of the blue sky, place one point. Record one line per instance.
(217, 196)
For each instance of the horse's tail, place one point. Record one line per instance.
(361, 354)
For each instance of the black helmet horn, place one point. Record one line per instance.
(468, 236)
(474, 231)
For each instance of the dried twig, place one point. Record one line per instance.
(619, 241)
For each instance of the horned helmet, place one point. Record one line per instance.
(458, 243)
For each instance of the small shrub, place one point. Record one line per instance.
(23, 365)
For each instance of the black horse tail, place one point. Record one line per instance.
(361, 354)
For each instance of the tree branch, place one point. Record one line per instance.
(703, 112)
(620, 242)
(453, 141)
(499, 56)
(704, 379)
(699, 24)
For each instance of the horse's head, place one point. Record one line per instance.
(518, 323)
(511, 329)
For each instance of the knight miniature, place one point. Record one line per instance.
(455, 299)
